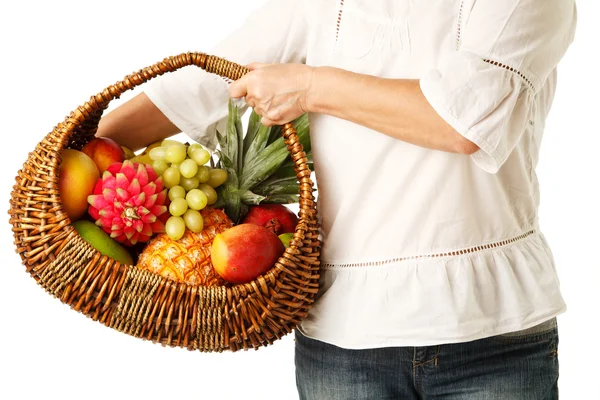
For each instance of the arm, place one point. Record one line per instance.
(395, 107)
(136, 123)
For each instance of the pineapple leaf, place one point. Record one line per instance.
(287, 169)
(258, 144)
(253, 126)
(264, 164)
(225, 162)
(282, 199)
(300, 124)
(275, 133)
(220, 203)
(274, 186)
(228, 192)
(272, 157)
(233, 204)
(240, 140)
(231, 146)
(221, 139)
(251, 198)
(302, 128)
(243, 211)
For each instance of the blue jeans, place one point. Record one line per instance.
(521, 366)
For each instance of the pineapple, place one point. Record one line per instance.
(187, 259)
(259, 170)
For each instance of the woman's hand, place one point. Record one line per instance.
(277, 92)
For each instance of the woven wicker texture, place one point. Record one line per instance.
(140, 303)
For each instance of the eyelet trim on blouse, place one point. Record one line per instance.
(339, 20)
(437, 255)
(511, 69)
(459, 25)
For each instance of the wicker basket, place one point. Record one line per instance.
(141, 303)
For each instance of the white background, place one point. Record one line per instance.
(56, 54)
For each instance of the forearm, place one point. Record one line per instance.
(136, 123)
(395, 107)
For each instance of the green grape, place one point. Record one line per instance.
(202, 174)
(196, 199)
(210, 193)
(175, 153)
(175, 227)
(176, 192)
(159, 166)
(193, 148)
(217, 177)
(189, 183)
(178, 207)
(169, 143)
(188, 168)
(157, 153)
(200, 156)
(171, 177)
(193, 220)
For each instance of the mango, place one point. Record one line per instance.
(150, 147)
(128, 152)
(244, 252)
(141, 158)
(144, 156)
(102, 242)
(77, 175)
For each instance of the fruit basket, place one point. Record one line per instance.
(136, 301)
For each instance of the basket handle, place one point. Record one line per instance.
(82, 124)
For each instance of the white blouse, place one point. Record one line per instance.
(421, 246)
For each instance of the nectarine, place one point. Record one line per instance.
(245, 252)
(104, 151)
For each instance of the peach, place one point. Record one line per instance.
(245, 252)
(77, 176)
(104, 151)
(278, 218)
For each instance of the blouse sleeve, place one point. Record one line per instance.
(196, 101)
(506, 49)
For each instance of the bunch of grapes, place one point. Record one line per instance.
(190, 182)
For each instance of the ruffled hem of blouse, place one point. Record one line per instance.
(431, 301)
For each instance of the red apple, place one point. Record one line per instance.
(245, 252)
(276, 217)
(104, 151)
